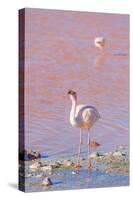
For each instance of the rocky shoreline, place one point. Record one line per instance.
(27, 155)
(116, 162)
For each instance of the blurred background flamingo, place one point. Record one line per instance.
(99, 42)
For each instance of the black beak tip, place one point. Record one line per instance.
(71, 92)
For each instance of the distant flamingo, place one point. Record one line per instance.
(99, 42)
(82, 116)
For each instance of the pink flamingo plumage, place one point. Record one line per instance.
(82, 116)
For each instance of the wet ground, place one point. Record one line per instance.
(108, 170)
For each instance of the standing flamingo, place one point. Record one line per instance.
(82, 116)
(99, 42)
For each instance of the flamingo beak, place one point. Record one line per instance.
(71, 92)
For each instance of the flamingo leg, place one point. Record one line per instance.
(80, 144)
(89, 142)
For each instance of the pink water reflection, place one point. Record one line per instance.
(60, 55)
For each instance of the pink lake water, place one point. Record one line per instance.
(60, 54)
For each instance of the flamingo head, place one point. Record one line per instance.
(72, 94)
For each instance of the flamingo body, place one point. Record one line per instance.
(85, 116)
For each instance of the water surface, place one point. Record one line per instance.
(60, 55)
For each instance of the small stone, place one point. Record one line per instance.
(73, 172)
(123, 154)
(100, 154)
(28, 155)
(56, 165)
(47, 168)
(94, 155)
(117, 153)
(47, 181)
(65, 161)
(68, 163)
(36, 165)
(94, 144)
(106, 154)
(33, 155)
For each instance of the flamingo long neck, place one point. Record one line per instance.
(73, 110)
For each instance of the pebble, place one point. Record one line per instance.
(117, 153)
(47, 181)
(28, 155)
(123, 154)
(40, 166)
(106, 154)
(65, 161)
(94, 155)
(56, 165)
(47, 168)
(73, 172)
(36, 165)
(68, 163)
(94, 144)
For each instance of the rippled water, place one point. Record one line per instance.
(60, 55)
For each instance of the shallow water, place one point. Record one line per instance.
(67, 181)
(60, 55)
(71, 178)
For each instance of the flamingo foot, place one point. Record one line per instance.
(77, 166)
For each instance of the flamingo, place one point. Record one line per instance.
(99, 42)
(82, 116)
